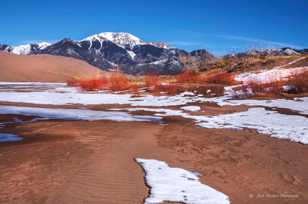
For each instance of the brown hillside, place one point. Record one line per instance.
(42, 68)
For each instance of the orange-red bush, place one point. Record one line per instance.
(73, 82)
(257, 88)
(188, 76)
(300, 81)
(119, 82)
(170, 89)
(151, 81)
(90, 84)
(220, 77)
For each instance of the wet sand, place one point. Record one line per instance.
(93, 162)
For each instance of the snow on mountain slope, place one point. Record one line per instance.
(43, 45)
(131, 54)
(22, 49)
(27, 48)
(273, 51)
(120, 38)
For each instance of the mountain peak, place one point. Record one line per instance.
(120, 38)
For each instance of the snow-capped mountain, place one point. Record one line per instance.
(22, 49)
(43, 45)
(26, 49)
(109, 50)
(129, 53)
(274, 51)
(6, 48)
(125, 40)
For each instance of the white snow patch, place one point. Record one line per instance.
(292, 127)
(177, 185)
(22, 49)
(43, 45)
(26, 48)
(191, 108)
(74, 114)
(300, 106)
(131, 54)
(268, 76)
(158, 62)
(32, 83)
(87, 98)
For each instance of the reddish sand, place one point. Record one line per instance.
(93, 162)
(44, 68)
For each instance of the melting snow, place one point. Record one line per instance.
(177, 185)
(278, 125)
(74, 114)
(292, 127)
(300, 106)
(59, 98)
(191, 108)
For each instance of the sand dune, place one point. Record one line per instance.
(44, 68)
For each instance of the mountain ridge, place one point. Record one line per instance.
(130, 54)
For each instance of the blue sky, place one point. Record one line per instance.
(219, 26)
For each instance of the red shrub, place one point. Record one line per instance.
(188, 76)
(73, 82)
(300, 81)
(90, 84)
(151, 81)
(219, 77)
(119, 82)
(257, 88)
(170, 89)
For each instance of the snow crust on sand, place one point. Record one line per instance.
(74, 114)
(292, 127)
(6, 137)
(67, 97)
(177, 185)
(191, 108)
(264, 121)
(32, 83)
(300, 105)
(59, 94)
